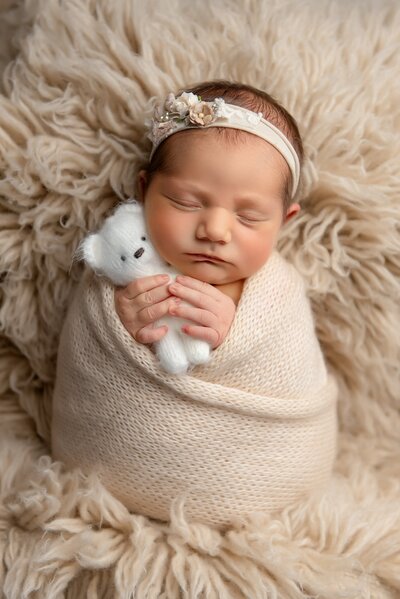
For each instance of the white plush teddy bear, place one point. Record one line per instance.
(122, 251)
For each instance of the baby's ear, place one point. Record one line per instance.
(90, 250)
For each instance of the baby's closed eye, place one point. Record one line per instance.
(185, 203)
(250, 218)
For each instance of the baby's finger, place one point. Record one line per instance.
(203, 333)
(152, 296)
(201, 286)
(154, 312)
(150, 335)
(142, 285)
(193, 296)
(201, 317)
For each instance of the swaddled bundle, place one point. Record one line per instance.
(252, 430)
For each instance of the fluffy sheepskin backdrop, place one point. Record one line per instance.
(71, 137)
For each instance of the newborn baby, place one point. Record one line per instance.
(254, 429)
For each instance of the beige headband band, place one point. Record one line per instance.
(188, 111)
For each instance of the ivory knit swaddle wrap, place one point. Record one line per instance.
(252, 430)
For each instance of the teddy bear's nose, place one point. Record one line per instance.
(138, 252)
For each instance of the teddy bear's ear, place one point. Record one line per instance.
(132, 205)
(89, 250)
(127, 208)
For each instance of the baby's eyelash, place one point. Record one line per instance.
(185, 203)
(189, 204)
(249, 219)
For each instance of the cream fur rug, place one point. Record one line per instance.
(71, 138)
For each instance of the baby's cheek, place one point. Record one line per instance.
(254, 253)
(161, 236)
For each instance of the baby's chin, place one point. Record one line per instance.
(212, 273)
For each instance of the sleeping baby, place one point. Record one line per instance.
(252, 429)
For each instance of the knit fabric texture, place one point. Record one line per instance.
(250, 431)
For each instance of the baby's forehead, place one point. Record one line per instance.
(225, 137)
(222, 150)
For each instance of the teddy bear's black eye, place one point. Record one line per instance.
(143, 238)
(123, 258)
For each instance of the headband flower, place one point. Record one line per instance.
(183, 111)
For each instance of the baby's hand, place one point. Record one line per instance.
(141, 303)
(212, 310)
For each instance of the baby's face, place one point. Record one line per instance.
(222, 201)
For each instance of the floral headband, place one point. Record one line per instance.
(189, 111)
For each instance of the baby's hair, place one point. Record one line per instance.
(248, 97)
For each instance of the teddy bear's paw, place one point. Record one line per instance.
(175, 366)
(197, 351)
(171, 353)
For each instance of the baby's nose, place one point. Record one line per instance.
(215, 225)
